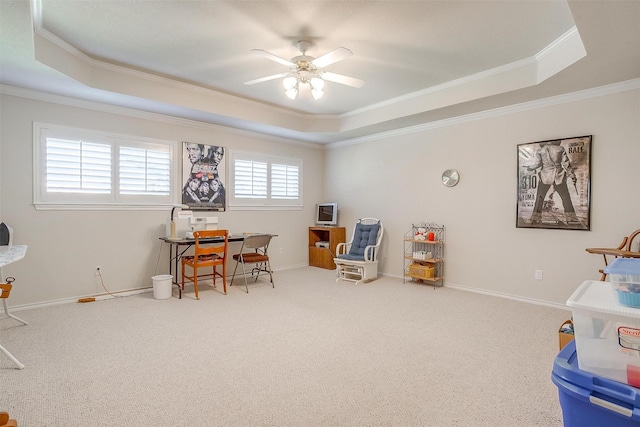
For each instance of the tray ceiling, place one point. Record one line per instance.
(421, 60)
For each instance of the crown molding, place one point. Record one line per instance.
(558, 55)
(145, 115)
(614, 88)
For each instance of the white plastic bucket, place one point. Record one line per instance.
(162, 286)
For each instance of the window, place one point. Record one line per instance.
(86, 169)
(261, 181)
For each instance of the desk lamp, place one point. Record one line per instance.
(173, 224)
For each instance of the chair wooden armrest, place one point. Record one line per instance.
(5, 290)
(342, 248)
(624, 250)
(6, 422)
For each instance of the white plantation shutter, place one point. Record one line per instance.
(250, 179)
(84, 169)
(77, 166)
(284, 181)
(144, 171)
(260, 181)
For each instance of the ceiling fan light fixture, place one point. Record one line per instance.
(307, 70)
(317, 93)
(289, 82)
(317, 83)
(291, 93)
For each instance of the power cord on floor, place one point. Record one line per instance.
(105, 288)
(92, 299)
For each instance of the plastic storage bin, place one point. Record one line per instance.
(607, 334)
(624, 275)
(588, 400)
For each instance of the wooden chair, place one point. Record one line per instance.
(257, 256)
(626, 249)
(6, 422)
(5, 288)
(207, 254)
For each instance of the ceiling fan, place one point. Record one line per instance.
(305, 69)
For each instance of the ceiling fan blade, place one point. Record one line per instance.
(334, 56)
(345, 80)
(273, 57)
(264, 79)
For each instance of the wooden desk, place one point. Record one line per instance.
(177, 248)
(9, 255)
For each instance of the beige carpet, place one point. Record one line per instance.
(310, 352)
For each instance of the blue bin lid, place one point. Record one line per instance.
(565, 366)
(581, 384)
(589, 400)
(624, 266)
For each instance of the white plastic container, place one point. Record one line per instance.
(624, 275)
(162, 286)
(607, 334)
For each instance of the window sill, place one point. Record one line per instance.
(99, 207)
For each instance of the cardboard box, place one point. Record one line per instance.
(565, 333)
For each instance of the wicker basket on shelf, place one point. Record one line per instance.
(420, 271)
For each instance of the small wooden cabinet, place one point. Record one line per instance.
(319, 237)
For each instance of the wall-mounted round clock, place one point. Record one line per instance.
(450, 177)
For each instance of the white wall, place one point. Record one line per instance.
(397, 179)
(64, 246)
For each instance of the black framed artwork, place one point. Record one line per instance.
(554, 184)
(203, 176)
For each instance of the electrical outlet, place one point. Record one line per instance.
(98, 270)
(538, 274)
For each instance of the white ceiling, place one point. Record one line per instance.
(421, 60)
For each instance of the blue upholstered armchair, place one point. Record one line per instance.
(357, 261)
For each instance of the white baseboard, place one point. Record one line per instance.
(498, 294)
(123, 293)
(511, 297)
(136, 291)
(98, 297)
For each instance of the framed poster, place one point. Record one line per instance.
(203, 174)
(554, 184)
